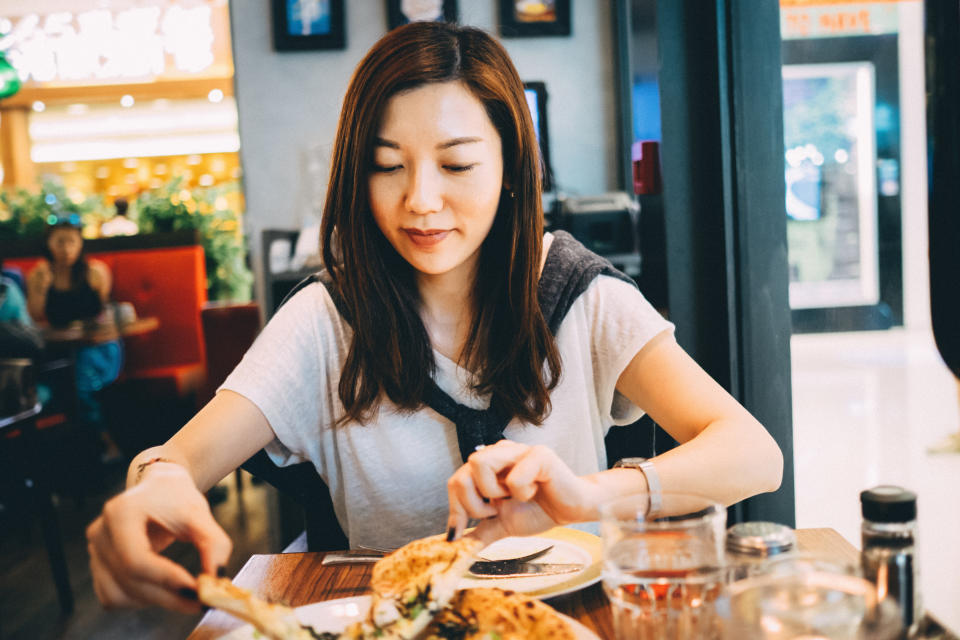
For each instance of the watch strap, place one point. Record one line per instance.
(654, 489)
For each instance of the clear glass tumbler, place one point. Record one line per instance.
(664, 573)
(809, 597)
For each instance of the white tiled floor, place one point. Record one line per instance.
(866, 407)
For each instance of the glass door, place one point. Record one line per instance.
(873, 402)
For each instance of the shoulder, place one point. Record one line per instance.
(42, 268)
(98, 267)
(98, 273)
(310, 308)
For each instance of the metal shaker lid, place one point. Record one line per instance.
(888, 503)
(760, 538)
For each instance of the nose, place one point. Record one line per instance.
(424, 192)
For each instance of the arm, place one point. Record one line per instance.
(38, 283)
(100, 279)
(164, 501)
(221, 437)
(725, 454)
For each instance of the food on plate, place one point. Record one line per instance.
(412, 584)
(275, 621)
(480, 614)
(414, 595)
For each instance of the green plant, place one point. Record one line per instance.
(172, 208)
(25, 214)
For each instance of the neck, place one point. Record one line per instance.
(60, 268)
(448, 307)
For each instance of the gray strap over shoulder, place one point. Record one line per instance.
(568, 272)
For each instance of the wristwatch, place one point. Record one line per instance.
(649, 471)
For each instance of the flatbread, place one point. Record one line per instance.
(276, 621)
(480, 614)
(412, 584)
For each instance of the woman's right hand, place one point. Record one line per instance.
(126, 539)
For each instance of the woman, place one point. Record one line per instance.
(433, 241)
(64, 288)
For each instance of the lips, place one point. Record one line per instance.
(426, 237)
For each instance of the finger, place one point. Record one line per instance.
(132, 558)
(211, 541)
(107, 590)
(460, 512)
(457, 519)
(483, 470)
(535, 467)
(463, 488)
(183, 599)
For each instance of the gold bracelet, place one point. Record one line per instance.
(143, 467)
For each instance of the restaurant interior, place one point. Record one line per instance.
(763, 173)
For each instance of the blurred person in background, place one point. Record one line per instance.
(18, 337)
(120, 224)
(64, 288)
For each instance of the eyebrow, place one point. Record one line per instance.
(382, 142)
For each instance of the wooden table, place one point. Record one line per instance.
(299, 578)
(79, 334)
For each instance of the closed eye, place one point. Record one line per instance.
(459, 168)
(386, 169)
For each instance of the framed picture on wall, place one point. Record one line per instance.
(519, 18)
(403, 11)
(302, 25)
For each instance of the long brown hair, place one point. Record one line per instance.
(509, 347)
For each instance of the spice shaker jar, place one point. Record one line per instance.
(889, 554)
(751, 544)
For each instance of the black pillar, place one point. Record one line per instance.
(726, 239)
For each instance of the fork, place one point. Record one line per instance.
(528, 558)
(364, 554)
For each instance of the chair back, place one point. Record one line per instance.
(18, 386)
(228, 331)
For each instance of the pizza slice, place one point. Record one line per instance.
(482, 614)
(276, 621)
(412, 584)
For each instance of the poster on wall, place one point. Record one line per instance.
(519, 18)
(400, 12)
(301, 25)
(831, 184)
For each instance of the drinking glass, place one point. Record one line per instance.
(809, 597)
(663, 573)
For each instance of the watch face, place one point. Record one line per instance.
(630, 462)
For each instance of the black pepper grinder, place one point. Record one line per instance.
(889, 554)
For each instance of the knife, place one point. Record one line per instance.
(524, 569)
(351, 557)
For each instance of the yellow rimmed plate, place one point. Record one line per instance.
(569, 545)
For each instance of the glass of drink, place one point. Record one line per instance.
(664, 572)
(809, 597)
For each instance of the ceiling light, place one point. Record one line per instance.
(215, 95)
(126, 101)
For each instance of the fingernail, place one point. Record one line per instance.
(451, 534)
(221, 572)
(187, 593)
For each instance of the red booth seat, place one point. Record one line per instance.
(168, 283)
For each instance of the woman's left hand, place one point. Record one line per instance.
(516, 489)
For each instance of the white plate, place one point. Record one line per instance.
(569, 545)
(334, 616)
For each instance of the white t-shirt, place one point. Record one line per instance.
(388, 478)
